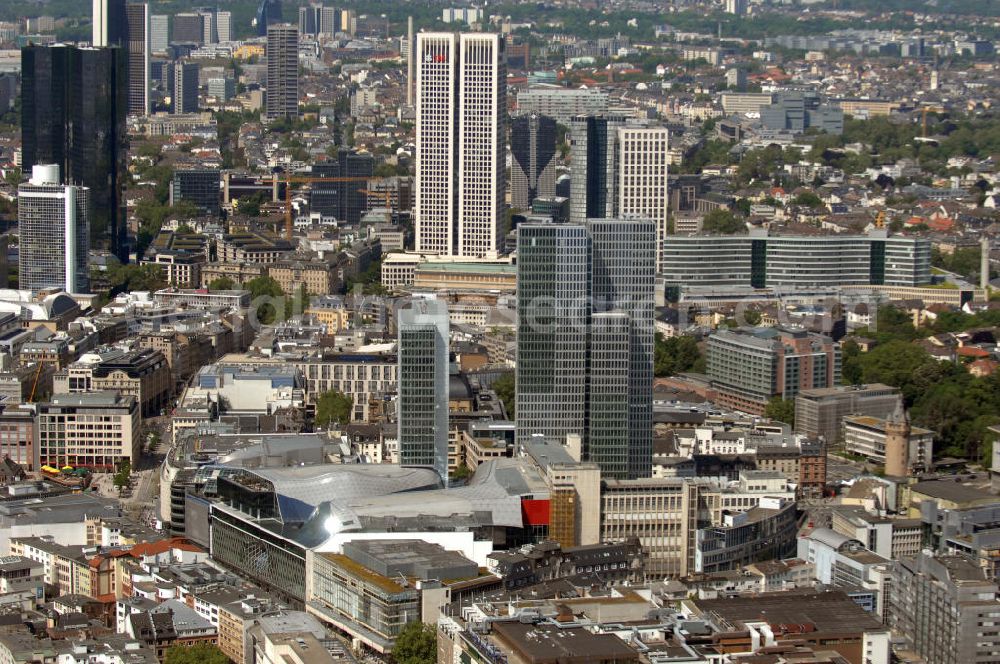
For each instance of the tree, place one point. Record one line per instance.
(333, 406)
(850, 366)
(808, 199)
(265, 287)
(722, 222)
(222, 283)
(504, 387)
(782, 410)
(199, 653)
(674, 355)
(416, 644)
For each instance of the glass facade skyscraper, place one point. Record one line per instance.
(423, 386)
(533, 153)
(585, 339)
(74, 101)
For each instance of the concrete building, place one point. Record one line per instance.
(461, 145)
(750, 366)
(642, 171)
(533, 153)
(870, 437)
(54, 224)
(562, 104)
(159, 33)
(282, 71)
(184, 94)
(760, 260)
(143, 374)
(318, 277)
(95, 430)
(945, 608)
(423, 386)
(819, 413)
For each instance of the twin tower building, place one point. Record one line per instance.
(585, 288)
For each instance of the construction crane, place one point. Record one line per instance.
(289, 180)
(924, 110)
(34, 384)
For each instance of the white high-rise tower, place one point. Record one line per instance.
(461, 110)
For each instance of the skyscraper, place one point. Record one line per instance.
(209, 31)
(585, 339)
(184, 98)
(159, 33)
(423, 385)
(461, 106)
(224, 26)
(268, 13)
(52, 221)
(642, 178)
(74, 101)
(622, 271)
(593, 156)
(282, 71)
(344, 200)
(109, 23)
(533, 152)
(138, 58)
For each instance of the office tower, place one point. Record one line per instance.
(819, 413)
(562, 104)
(737, 7)
(268, 13)
(185, 92)
(109, 23)
(585, 339)
(224, 26)
(159, 33)
(189, 28)
(622, 271)
(461, 102)
(422, 412)
(55, 238)
(642, 179)
(209, 33)
(282, 71)
(73, 114)
(222, 89)
(344, 200)
(348, 21)
(553, 312)
(316, 19)
(533, 152)
(750, 366)
(199, 186)
(138, 58)
(410, 60)
(593, 156)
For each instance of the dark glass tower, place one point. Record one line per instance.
(268, 12)
(533, 149)
(74, 101)
(347, 201)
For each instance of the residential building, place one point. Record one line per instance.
(945, 608)
(819, 413)
(750, 366)
(460, 168)
(533, 153)
(74, 101)
(423, 385)
(54, 224)
(96, 430)
(282, 70)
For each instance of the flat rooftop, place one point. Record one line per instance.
(831, 611)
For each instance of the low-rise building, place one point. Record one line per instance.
(865, 435)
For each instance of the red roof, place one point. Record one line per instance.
(162, 546)
(972, 351)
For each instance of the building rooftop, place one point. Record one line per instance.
(950, 490)
(544, 644)
(831, 611)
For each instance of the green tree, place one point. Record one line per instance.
(782, 410)
(333, 406)
(808, 199)
(199, 653)
(416, 644)
(850, 364)
(674, 355)
(266, 287)
(222, 283)
(722, 222)
(504, 387)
